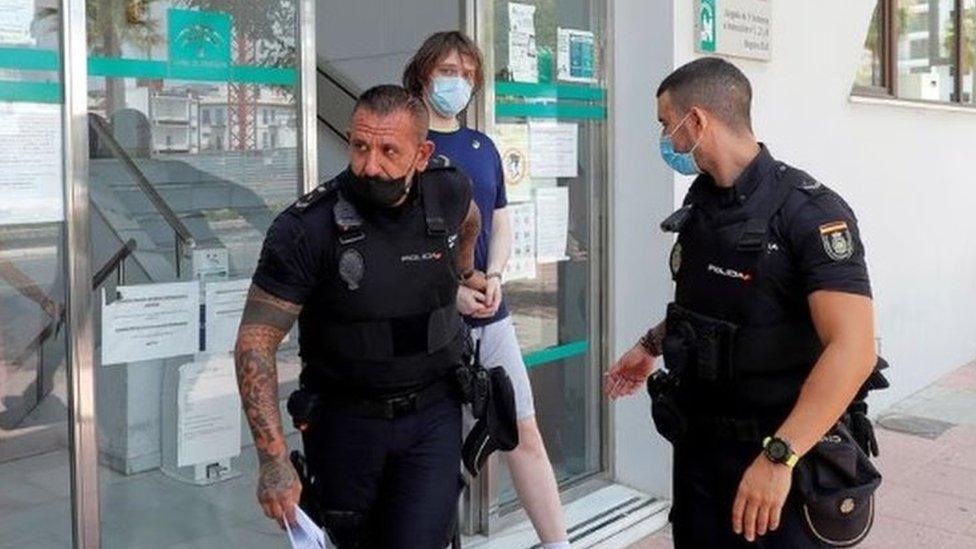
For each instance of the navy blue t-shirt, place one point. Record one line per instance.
(475, 153)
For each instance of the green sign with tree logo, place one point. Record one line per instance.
(706, 26)
(199, 38)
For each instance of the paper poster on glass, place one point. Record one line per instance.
(150, 321)
(208, 412)
(522, 54)
(512, 141)
(521, 265)
(554, 148)
(551, 224)
(30, 170)
(16, 17)
(224, 305)
(576, 56)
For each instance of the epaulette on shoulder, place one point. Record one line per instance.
(316, 194)
(800, 180)
(440, 162)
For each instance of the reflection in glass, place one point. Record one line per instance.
(926, 55)
(870, 73)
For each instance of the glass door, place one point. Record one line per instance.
(35, 496)
(195, 124)
(546, 111)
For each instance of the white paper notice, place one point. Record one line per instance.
(208, 412)
(224, 304)
(522, 54)
(16, 17)
(522, 263)
(551, 224)
(575, 56)
(554, 148)
(151, 321)
(512, 141)
(306, 534)
(30, 171)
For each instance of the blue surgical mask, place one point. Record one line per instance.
(683, 163)
(449, 95)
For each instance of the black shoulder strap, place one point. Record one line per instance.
(436, 192)
(316, 194)
(348, 221)
(755, 233)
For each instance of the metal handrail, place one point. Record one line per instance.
(115, 263)
(330, 110)
(184, 238)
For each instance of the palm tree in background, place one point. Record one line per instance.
(110, 24)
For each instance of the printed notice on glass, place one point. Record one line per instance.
(551, 224)
(151, 321)
(16, 17)
(224, 305)
(512, 141)
(575, 56)
(554, 148)
(208, 412)
(30, 168)
(522, 55)
(521, 265)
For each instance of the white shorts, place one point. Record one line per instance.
(499, 347)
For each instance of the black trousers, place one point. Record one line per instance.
(706, 477)
(388, 483)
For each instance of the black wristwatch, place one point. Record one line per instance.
(779, 451)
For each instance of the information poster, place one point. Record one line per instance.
(551, 224)
(31, 188)
(522, 54)
(224, 304)
(576, 56)
(554, 149)
(512, 141)
(739, 28)
(16, 17)
(521, 265)
(151, 321)
(208, 412)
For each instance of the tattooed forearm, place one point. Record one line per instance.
(264, 324)
(653, 340)
(469, 235)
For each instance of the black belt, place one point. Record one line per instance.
(390, 407)
(732, 428)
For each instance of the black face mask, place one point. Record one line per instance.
(384, 193)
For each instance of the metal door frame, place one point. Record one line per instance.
(82, 416)
(481, 512)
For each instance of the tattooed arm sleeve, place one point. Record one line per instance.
(265, 323)
(469, 235)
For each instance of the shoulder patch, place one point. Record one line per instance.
(316, 194)
(838, 243)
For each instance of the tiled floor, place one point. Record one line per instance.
(928, 497)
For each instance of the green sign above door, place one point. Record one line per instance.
(706, 26)
(199, 38)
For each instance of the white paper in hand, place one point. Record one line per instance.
(305, 534)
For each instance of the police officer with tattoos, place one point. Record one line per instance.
(369, 264)
(771, 334)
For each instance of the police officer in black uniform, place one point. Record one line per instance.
(770, 337)
(369, 264)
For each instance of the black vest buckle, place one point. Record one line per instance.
(436, 226)
(351, 236)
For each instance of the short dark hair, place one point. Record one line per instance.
(715, 85)
(388, 99)
(438, 45)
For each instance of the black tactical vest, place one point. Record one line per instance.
(384, 318)
(742, 351)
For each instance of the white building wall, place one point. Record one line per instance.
(902, 168)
